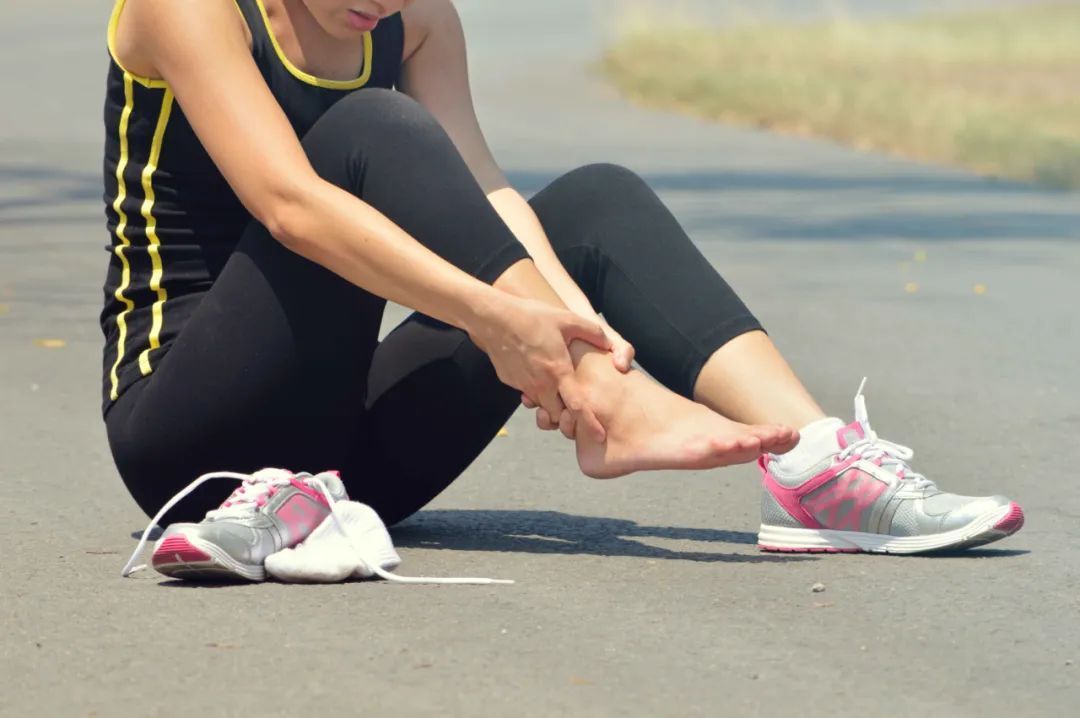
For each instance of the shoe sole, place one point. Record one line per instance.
(992, 526)
(180, 556)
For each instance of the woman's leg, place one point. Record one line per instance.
(271, 368)
(434, 401)
(690, 329)
(748, 380)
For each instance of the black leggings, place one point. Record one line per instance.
(280, 364)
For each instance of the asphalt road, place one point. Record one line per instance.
(643, 596)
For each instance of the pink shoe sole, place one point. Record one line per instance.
(1012, 521)
(178, 550)
(178, 557)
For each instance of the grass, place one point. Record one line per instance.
(995, 91)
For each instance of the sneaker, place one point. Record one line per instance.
(271, 510)
(253, 534)
(843, 489)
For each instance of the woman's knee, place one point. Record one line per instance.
(579, 205)
(372, 121)
(597, 186)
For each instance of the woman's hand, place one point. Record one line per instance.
(528, 343)
(622, 355)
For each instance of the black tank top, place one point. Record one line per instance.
(172, 217)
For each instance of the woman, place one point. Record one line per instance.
(267, 192)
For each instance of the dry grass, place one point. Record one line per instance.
(995, 91)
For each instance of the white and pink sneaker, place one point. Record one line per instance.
(844, 489)
(271, 510)
(297, 528)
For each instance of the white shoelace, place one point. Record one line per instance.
(245, 499)
(872, 447)
(383, 573)
(130, 567)
(248, 497)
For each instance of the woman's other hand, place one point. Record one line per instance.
(528, 343)
(622, 355)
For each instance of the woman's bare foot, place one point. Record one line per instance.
(651, 427)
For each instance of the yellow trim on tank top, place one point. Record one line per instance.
(114, 22)
(299, 74)
(153, 242)
(110, 40)
(121, 233)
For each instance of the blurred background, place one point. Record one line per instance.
(992, 87)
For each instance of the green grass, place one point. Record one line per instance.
(995, 91)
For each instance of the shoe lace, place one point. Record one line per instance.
(130, 567)
(388, 575)
(252, 494)
(873, 448)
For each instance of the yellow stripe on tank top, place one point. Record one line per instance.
(121, 233)
(154, 244)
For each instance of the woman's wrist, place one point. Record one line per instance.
(478, 307)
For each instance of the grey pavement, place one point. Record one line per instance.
(642, 596)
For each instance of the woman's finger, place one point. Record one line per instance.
(543, 421)
(567, 424)
(576, 401)
(527, 402)
(590, 331)
(552, 403)
(626, 357)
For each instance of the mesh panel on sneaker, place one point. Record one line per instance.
(773, 514)
(904, 521)
(943, 503)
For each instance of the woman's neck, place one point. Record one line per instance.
(309, 46)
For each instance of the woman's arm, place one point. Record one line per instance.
(436, 75)
(200, 50)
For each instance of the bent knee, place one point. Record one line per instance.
(596, 188)
(373, 118)
(589, 198)
(602, 174)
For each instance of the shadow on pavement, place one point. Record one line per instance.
(975, 553)
(1007, 218)
(554, 532)
(721, 180)
(43, 195)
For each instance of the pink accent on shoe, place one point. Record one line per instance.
(301, 516)
(818, 549)
(841, 505)
(791, 499)
(178, 549)
(309, 490)
(848, 435)
(1012, 521)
